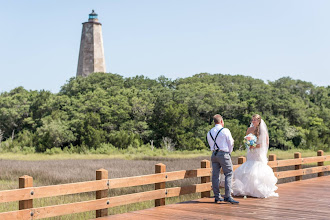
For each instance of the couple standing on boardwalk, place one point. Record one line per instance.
(254, 177)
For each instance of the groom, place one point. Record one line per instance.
(221, 144)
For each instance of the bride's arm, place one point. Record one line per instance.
(267, 139)
(257, 146)
(249, 130)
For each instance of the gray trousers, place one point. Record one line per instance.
(222, 159)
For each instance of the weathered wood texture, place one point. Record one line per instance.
(105, 203)
(206, 179)
(290, 173)
(320, 154)
(298, 167)
(50, 191)
(272, 158)
(298, 161)
(307, 199)
(241, 160)
(100, 194)
(25, 182)
(160, 168)
(73, 188)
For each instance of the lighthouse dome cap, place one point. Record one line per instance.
(93, 15)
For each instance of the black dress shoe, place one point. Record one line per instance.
(218, 200)
(231, 200)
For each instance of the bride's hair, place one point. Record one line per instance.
(257, 129)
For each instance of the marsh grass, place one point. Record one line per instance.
(142, 154)
(69, 168)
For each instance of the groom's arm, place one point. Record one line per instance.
(209, 140)
(230, 141)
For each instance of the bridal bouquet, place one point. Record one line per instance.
(250, 140)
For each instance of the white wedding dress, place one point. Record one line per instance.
(254, 177)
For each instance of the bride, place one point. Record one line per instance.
(254, 177)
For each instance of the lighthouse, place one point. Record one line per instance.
(91, 53)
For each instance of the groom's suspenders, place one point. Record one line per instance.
(215, 143)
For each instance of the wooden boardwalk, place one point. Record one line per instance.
(306, 199)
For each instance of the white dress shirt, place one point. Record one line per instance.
(224, 140)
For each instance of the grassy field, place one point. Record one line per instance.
(143, 155)
(69, 168)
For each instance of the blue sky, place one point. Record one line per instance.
(267, 40)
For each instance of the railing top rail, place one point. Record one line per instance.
(52, 190)
(298, 161)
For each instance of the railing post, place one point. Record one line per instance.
(320, 153)
(100, 175)
(25, 182)
(160, 168)
(241, 160)
(297, 167)
(272, 157)
(206, 179)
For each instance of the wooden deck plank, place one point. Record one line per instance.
(168, 213)
(251, 210)
(306, 199)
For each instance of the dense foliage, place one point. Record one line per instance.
(174, 114)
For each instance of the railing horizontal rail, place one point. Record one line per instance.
(178, 191)
(298, 161)
(157, 178)
(73, 188)
(50, 191)
(300, 172)
(183, 174)
(21, 214)
(71, 208)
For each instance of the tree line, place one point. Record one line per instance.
(136, 111)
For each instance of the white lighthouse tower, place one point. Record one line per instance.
(91, 54)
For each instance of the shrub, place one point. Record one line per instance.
(123, 139)
(54, 150)
(106, 149)
(53, 133)
(16, 149)
(28, 150)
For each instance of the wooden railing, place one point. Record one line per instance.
(103, 184)
(298, 172)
